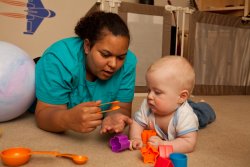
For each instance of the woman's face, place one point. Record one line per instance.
(106, 56)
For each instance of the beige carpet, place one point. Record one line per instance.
(224, 143)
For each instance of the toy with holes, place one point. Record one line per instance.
(119, 143)
(151, 154)
(161, 157)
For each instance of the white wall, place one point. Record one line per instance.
(51, 29)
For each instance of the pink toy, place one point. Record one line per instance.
(165, 150)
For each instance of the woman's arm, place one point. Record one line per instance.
(84, 117)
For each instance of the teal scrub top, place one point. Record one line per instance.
(61, 77)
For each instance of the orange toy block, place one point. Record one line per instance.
(146, 134)
(149, 154)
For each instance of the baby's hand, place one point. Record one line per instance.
(155, 141)
(136, 144)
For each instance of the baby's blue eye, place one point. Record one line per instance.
(157, 93)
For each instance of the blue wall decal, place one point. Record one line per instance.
(35, 13)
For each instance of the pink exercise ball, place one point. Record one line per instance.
(17, 81)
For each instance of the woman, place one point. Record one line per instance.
(75, 75)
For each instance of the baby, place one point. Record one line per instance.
(170, 81)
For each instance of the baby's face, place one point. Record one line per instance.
(163, 93)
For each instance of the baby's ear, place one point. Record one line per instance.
(183, 96)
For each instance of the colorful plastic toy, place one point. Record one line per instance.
(146, 134)
(20, 156)
(119, 143)
(179, 159)
(163, 162)
(111, 109)
(165, 150)
(149, 154)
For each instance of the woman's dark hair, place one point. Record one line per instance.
(93, 26)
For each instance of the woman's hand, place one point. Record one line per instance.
(115, 122)
(84, 117)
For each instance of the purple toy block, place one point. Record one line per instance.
(119, 143)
